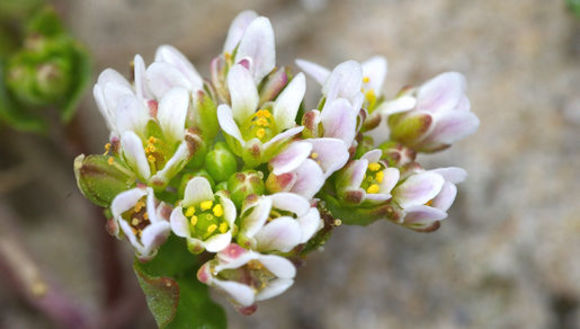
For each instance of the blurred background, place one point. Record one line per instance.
(507, 257)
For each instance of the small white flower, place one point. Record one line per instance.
(205, 219)
(142, 220)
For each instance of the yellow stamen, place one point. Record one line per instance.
(366, 79)
(152, 140)
(373, 189)
(110, 160)
(380, 176)
(314, 155)
(107, 148)
(374, 166)
(227, 56)
(193, 220)
(205, 205)
(262, 122)
(151, 158)
(223, 227)
(218, 210)
(260, 133)
(263, 113)
(139, 205)
(146, 215)
(370, 96)
(429, 203)
(190, 211)
(212, 228)
(135, 221)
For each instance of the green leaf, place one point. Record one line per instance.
(174, 295)
(574, 6)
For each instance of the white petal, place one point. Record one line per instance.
(174, 165)
(332, 154)
(441, 93)
(227, 123)
(229, 210)
(240, 293)
(258, 44)
(310, 179)
(110, 75)
(255, 219)
(287, 103)
(243, 92)
(373, 155)
(418, 189)
(452, 126)
(445, 198)
(153, 236)
(291, 157)
(422, 216)
(282, 137)
(171, 55)
(105, 110)
(397, 105)
(161, 77)
(126, 200)
(179, 223)
(339, 120)
(172, 111)
(131, 114)
(319, 73)
(375, 69)
(197, 190)
(310, 224)
(376, 197)
(237, 29)
(290, 202)
(141, 88)
(274, 288)
(453, 175)
(282, 234)
(344, 82)
(279, 266)
(135, 154)
(128, 232)
(390, 179)
(218, 242)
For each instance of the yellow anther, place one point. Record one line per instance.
(429, 203)
(146, 215)
(107, 147)
(151, 158)
(150, 148)
(193, 220)
(218, 210)
(371, 96)
(380, 176)
(152, 140)
(135, 221)
(223, 227)
(260, 133)
(190, 211)
(373, 189)
(366, 79)
(314, 155)
(263, 113)
(139, 205)
(212, 228)
(205, 205)
(263, 122)
(374, 166)
(227, 56)
(110, 160)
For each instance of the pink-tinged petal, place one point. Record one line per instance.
(126, 200)
(290, 202)
(452, 126)
(421, 216)
(258, 44)
(376, 197)
(131, 114)
(274, 288)
(279, 266)
(339, 120)
(256, 217)
(283, 137)
(161, 77)
(128, 232)
(418, 189)
(227, 123)
(287, 103)
(441, 93)
(240, 293)
(445, 198)
(319, 73)
(373, 155)
(464, 105)
(197, 190)
(331, 153)
(310, 179)
(141, 88)
(154, 236)
(310, 223)
(345, 81)
(134, 154)
(106, 111)
(243, 92)
(282, 234)
(229, 210)
(174, 165)
(356, 172)
(218, 242)
(237, 29)
(171, 55)
(172, 111)
(151, 207)
(231, 254)
(390, 179)
(179, 223)
(375, 69)
(290, 158)
(110, 75)
(453, 175)
(397, 105)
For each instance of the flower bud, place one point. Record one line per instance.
(410, 128)
(397, 155)
(220, 162)
(205, 115)
(101, 178)
(273, 85)
(242, 184)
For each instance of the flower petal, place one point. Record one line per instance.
(197, 190)
(331, 153)
(290, 202)
(131, 114)
(258, 44)
(339, 120)
(128, 232)
(237, 29)
(229, 210)
(279, 266)
(227, 123)
(218, 242)
(319, 73)
(453, 175)
(441, 93)
(243, 92)
(390, 179)
(452, 126)
(256, 216)
(421, 216)
(397, 105)
(179, 223)
(282, 234)
(375, 69)
(282, 137)
(445, 198)
(169, 54)
(373, 155)
(141, 88)
(126, 200)
(310, 223)
(161, 77)
(174, 165)
(240, 293)
(290, 158)
(345, 81)
(172, 111)
(153, 236)
(418, 189)
(274, 288)
(286, 106)
(134, 154)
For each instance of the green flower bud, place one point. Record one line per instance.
(245, 183)
(396, 154)
(100, 178)
(205, 115)
(220, 162)
(409, 128)
(273, 84)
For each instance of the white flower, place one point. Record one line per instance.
(141, 220)
(247, 277)
(205, 219)
(278, 222)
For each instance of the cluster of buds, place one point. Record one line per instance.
(245, 173)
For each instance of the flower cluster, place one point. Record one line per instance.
(244, 172)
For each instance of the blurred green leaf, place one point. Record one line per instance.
(574, 5)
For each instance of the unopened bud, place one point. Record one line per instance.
(245, 183)
(273, 85)
(220, 162)
(409, 129)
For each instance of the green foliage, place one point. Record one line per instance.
(574, 6)
(174, 295)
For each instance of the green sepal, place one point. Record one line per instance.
(242, 184)
(205, 116)
(220, 162)
(409, 128)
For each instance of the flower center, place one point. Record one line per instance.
(206, 219)
(260, 125)
(153, 151)
(137, 217)
(370, 95)
(373, 177)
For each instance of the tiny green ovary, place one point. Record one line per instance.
(206, 219)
